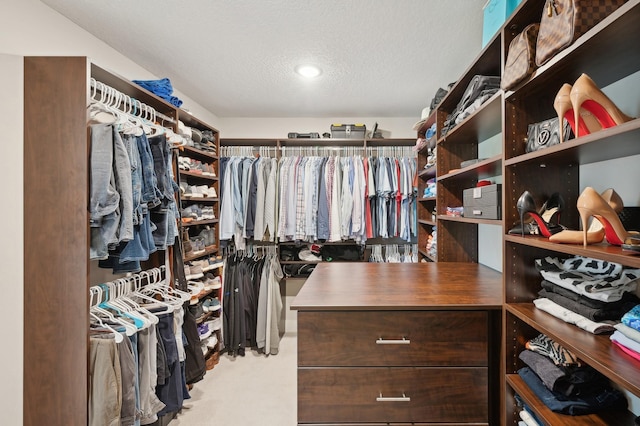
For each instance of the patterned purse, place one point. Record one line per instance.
(546, 133)
(521, 62)
(563, 21)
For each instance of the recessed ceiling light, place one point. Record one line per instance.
(308, 71)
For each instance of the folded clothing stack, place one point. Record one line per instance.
(162, 88)
(563, 383)
(589, 293)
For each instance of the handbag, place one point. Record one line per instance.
(521, 62)
(563, 21)
(546, 133)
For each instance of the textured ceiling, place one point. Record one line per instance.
(380, 58)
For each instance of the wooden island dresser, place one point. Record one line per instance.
(394, 343)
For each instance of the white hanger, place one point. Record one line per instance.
(116, 335)
(154, 302)
(130, 329)
(124, 290)
(122, 309)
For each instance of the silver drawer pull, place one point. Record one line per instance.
(403, 398)
(382, 341)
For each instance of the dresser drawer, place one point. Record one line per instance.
(392, 395)
(392, 338)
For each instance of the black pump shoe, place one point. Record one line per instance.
(550, 209)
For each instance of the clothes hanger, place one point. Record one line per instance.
(158, 285)
(126, 284)
(121, 310)
(98, 110)
(154, 302)
(116, 335)
(130, 329)
(131, 307)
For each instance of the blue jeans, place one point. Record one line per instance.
(151, 195)
(104, 199)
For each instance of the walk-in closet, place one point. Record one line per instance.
(329, 213)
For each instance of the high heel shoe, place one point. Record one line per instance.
(550, 209)
(595, 233)
(585, 94)
(587, 123)
(590, 203)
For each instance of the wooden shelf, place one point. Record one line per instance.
(483, 169)
(206, 200)
(617, 418)
(190, 151)
(198, 176)
(427, 173)
(606, 144)
(208, 251)
(482, 124)
(427, 222)
(496, 222)
(424, 199)
(595, 350)
(602, 251)
(202, 222)
(427, 255)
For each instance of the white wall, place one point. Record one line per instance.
(11, 249)
(31, 28)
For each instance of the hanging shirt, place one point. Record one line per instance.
(270, 202)
(323, 202)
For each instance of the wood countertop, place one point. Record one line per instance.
(400, 286)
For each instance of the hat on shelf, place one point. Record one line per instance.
(423, 118)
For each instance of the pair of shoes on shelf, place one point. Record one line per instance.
(586, 108)
(604, 208)
(208, 234)
(547, 218)
(211, 304)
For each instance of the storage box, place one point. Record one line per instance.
(483, 202)
(348, 131)
(495, 13)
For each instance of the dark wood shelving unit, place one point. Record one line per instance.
(608, 54)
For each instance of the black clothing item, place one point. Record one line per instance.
(169, 391)
(251, 292)
(628, 301)
(233, 307)
(613, 312)
(250, 221)
(195, 366)
(180, 281)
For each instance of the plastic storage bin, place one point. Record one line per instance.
(495, 13)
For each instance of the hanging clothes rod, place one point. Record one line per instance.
(126, 103)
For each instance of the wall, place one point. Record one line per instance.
(11, 251)
(31, 28)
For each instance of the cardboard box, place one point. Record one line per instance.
(484, 202)
(496, 13)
